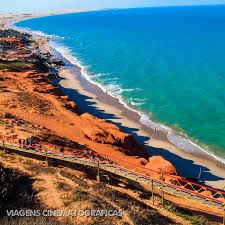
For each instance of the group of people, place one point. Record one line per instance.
(91, 154)
(23, 143)
(29, 143)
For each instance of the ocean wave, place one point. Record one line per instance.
(114, 89)
(145, 120)
(37, 33)
(189, 146)
(42, 34)
(109, 79)
(98, 75)
(66, 53)
(132, 89)
(138, 101)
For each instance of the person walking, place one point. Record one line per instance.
(20, 143)
(62, 151)
(27, 143)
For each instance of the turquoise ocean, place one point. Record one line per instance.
(167, 63)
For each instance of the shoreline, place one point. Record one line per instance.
(74, 79)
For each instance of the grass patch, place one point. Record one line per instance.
(63, 186)
(79, 195)
(189, 216)
(15, 66)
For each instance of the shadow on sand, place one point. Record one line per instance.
(185, 167)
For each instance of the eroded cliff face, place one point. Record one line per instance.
(44, 107)
(100, 131)
(28, 95)
(161, 166)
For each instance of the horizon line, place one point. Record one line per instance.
(80, 10)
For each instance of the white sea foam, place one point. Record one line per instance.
(115, 90)
(109, 79)
(132, 89)
(138, 101)
(98, 75)
(37, 33)
(42, 34)
(189, 146)
(144, 119)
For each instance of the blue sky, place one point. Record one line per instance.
(19, 6)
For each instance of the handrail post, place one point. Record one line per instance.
(162, 197)
(46, 157)
(152, 191)
(98, 175)
(161, 176)
(3, 145)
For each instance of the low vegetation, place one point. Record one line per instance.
(193, 217)
(14, 66)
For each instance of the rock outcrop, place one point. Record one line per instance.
(161, 166)
(101, 131)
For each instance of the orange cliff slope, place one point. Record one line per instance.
(30, 96)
